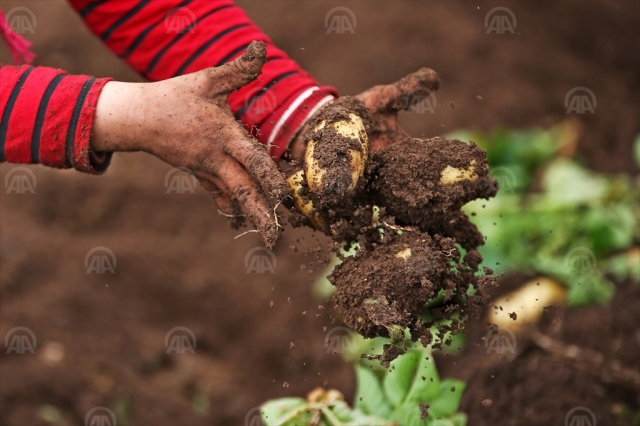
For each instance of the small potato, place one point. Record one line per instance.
(353, 128)
(295, 182)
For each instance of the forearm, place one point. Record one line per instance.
(47, 118)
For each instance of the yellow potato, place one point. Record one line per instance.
(451, 175)
(306, 208)
(352, 128)
(527, 302)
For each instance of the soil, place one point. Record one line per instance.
(179, 265)
(410, 255)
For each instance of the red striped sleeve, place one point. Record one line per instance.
(47, 116)
(164, 39)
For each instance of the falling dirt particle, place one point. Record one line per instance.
(453, 105)
(480, 98)
(271, 304)
(424, 410)
(453, 388)
(360, 398)
(424, 378)
(285, 385)
(291, 345)
(289, 300)
(487, 403)
(325, 383)
(513, 316)
(320, 307)
(501, 308)
(304, 312)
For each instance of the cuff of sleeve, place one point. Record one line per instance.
(282, 126)
(83, 157)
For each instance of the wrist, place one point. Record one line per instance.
(119, 119)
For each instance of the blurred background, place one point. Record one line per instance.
(101, 336)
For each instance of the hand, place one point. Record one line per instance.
(186, 122)
(384, 102)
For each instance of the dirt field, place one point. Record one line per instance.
(101, 337)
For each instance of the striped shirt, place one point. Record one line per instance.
(47, 115)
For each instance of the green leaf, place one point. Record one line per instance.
(274, 411)
(447, 403)
(459, 419)
(400, 376)
(358, 418)
(424, 390)
(408, 414)
(370, 397)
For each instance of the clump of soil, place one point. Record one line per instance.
(417, 260)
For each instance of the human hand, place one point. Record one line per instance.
(187, 122)
(384, 102)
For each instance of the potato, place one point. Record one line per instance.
(451, 175)
(527, 302)
(353, 128)
(295, 182)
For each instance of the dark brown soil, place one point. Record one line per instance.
(178, 263)
(410, 255)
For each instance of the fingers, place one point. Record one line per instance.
(241, 71)
(254, 157)
(402, 94)
(252, 201)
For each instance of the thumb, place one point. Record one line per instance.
(241, 71)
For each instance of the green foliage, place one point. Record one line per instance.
(384, 397)
(554, 217)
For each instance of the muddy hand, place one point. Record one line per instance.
(186, 122)
(385, 101)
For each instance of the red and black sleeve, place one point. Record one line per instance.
(46, 117)
(168, 38)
